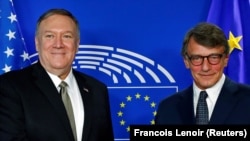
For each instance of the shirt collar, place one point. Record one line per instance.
(213, 92)
(56, 80)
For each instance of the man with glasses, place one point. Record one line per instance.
(206, 53)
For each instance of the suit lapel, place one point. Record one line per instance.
(185, 106)
(87, 96)
(225, 102)
(45, 84)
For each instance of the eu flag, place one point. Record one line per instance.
(233, 17)
(12, 46)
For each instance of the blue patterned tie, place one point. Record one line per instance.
(202, 109)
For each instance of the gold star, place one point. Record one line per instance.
(129, 98)
(120, 113)
(234, 42)
(152, 122)
(146, 98)
(122, 105)
(137, 96)
(122, 122)
(154, 113)
(128, 129)
(153, 104)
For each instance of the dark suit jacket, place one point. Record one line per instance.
(232, 106)
(32, 110)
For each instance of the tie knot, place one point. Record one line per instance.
(63, 84)
(203, 95)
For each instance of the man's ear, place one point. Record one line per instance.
(36, 44)
(226, 60)
(186, 63)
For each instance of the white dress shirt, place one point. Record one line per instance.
(76, 100)
(212, 92)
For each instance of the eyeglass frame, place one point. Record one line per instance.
(190, 58)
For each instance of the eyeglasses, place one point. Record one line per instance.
(197, 60)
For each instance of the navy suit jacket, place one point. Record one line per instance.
(232, 106)
(31, 108)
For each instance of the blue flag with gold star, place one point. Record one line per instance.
(233, 17)
(13, 51)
